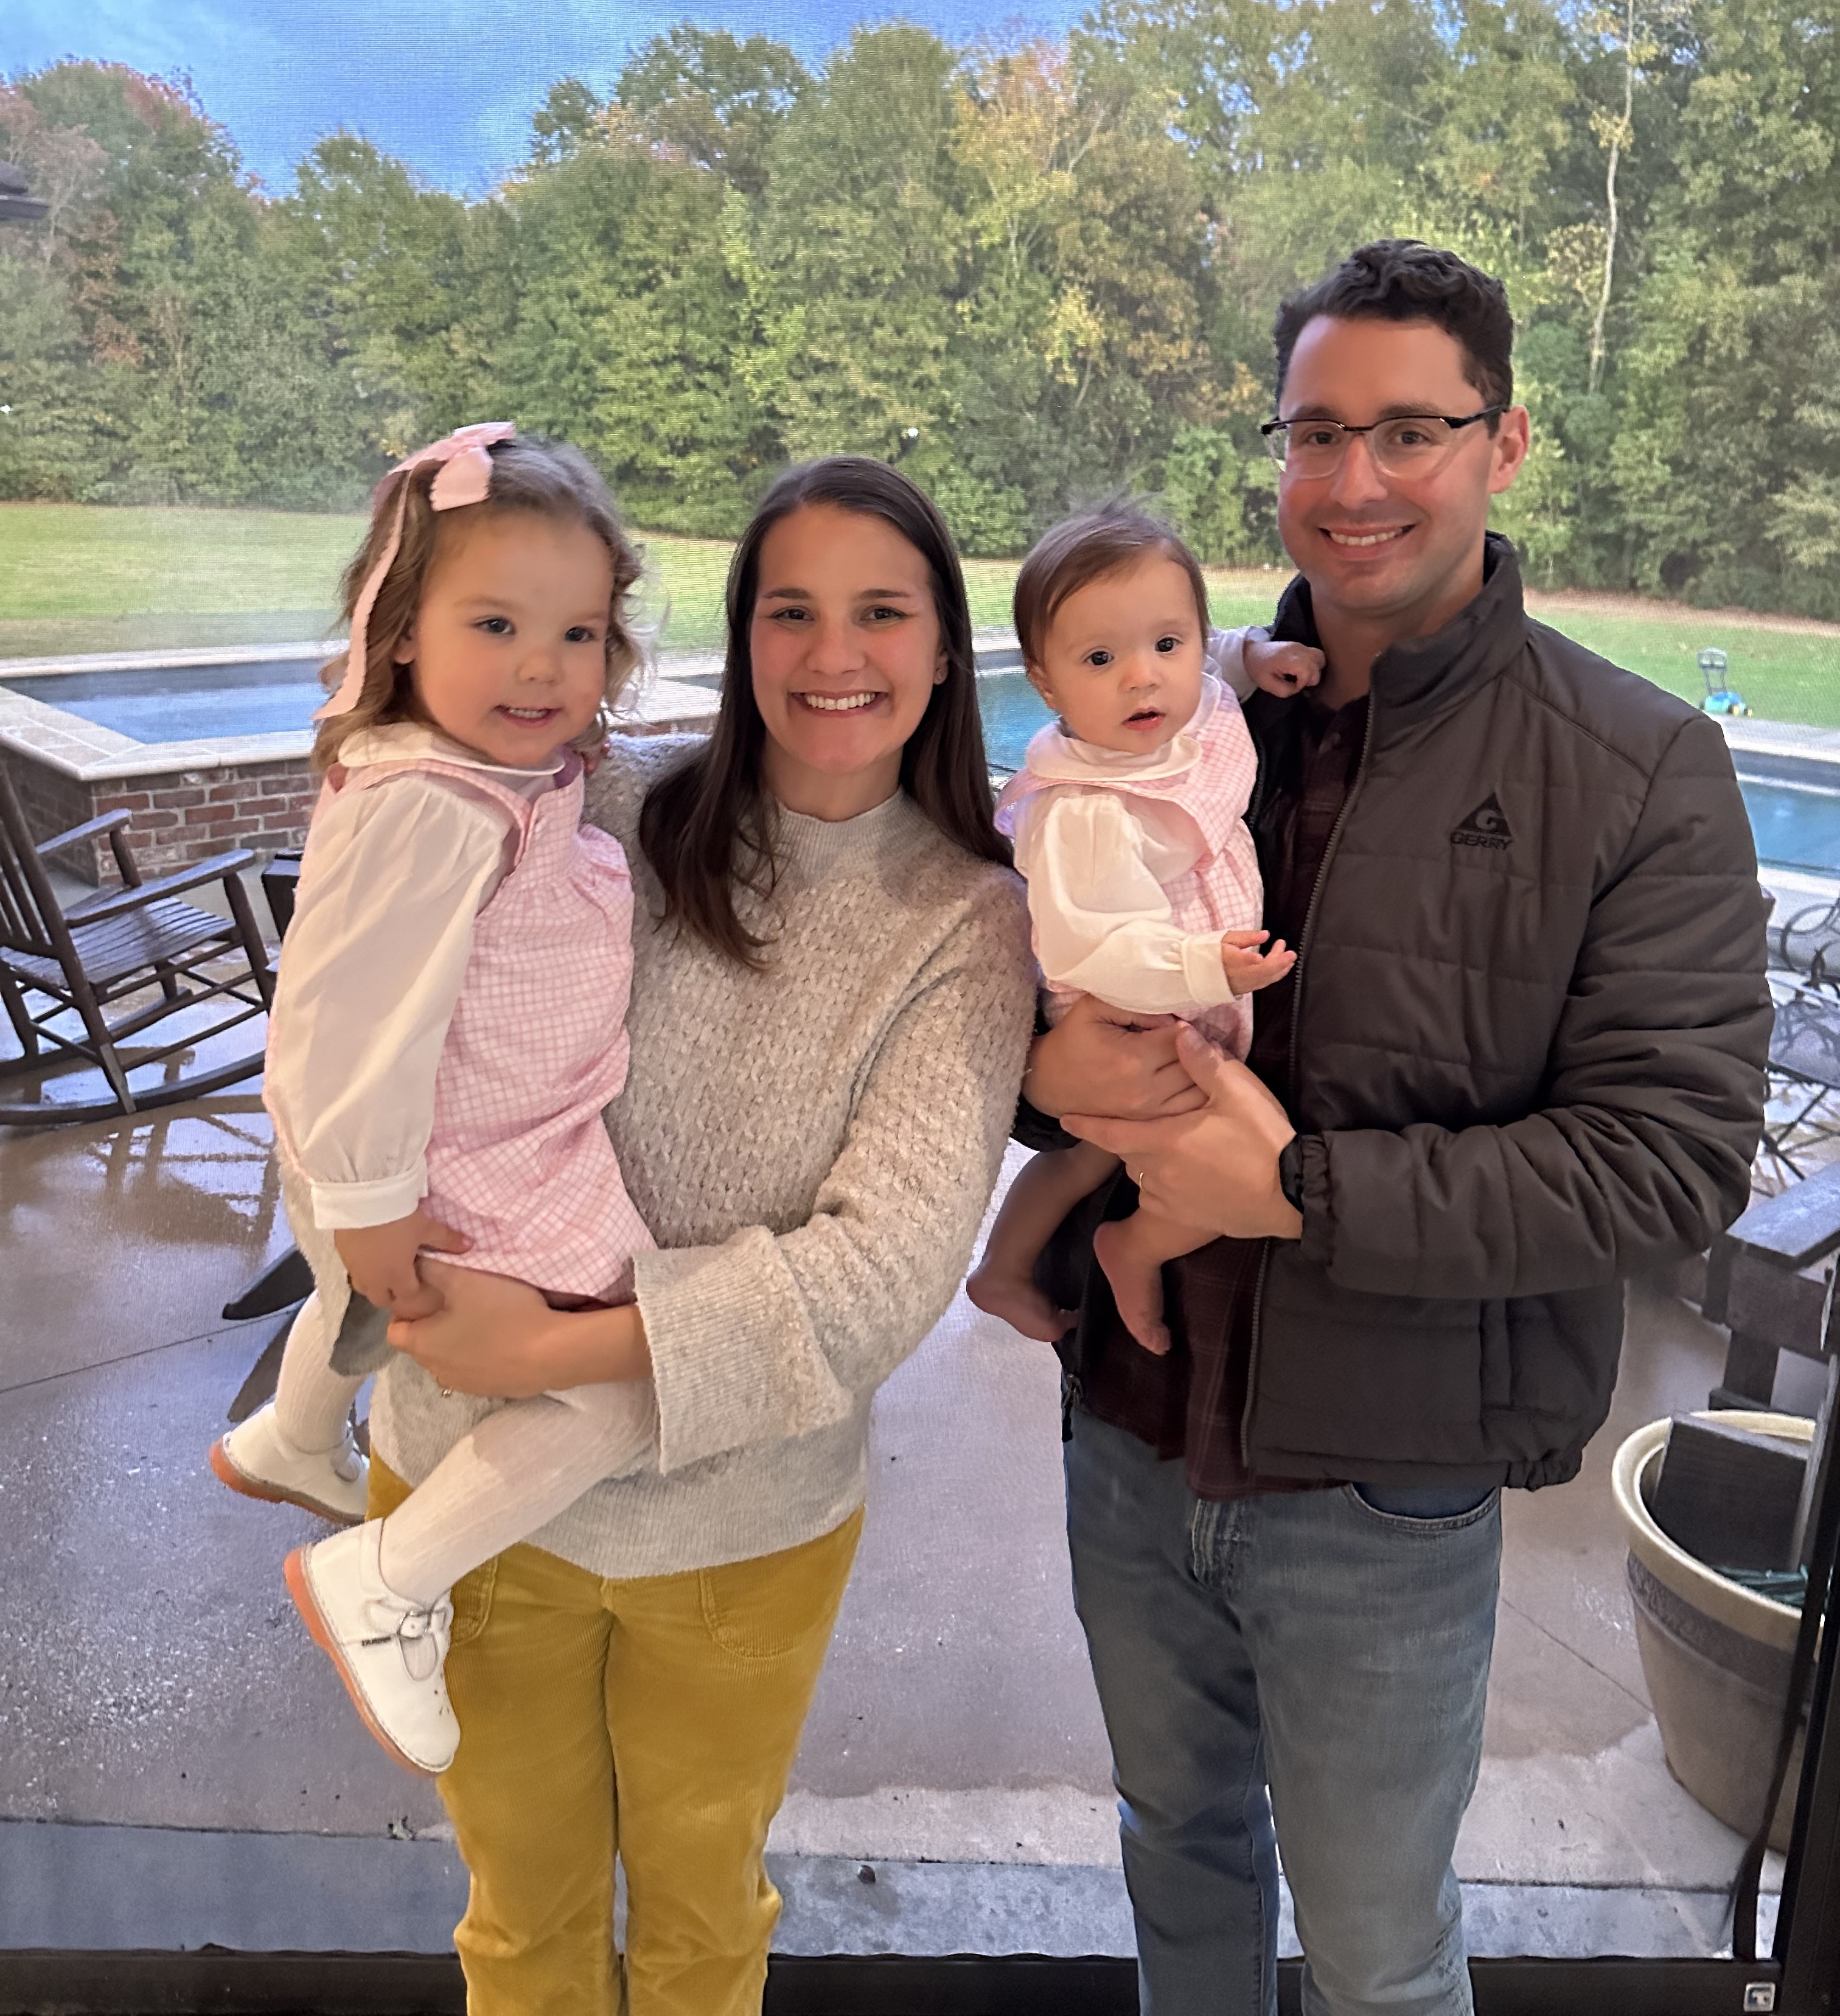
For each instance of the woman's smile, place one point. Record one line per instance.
(840, 703)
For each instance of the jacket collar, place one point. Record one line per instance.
(1424, 675)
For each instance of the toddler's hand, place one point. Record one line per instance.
(1246, 967)
(1283, 669)
(381, 1261)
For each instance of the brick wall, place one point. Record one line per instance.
(175, 818)
(186, 815)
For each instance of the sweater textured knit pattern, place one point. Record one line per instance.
(813, 1146)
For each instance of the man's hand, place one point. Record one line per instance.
(1099, 1055)
(1217, 1168)
(381, 1261)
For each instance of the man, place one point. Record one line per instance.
(1521, 1056)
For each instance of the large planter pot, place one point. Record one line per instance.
(1715, 1657)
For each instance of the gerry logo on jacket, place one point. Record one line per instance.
(1486, 826)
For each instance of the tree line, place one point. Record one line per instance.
(1033, 270)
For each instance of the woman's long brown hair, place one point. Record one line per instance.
(705, 824)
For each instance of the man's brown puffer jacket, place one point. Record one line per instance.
(1530, 1036)
(1527, 1050)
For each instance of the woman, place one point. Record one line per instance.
(831, 997)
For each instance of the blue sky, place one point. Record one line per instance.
(449, 85)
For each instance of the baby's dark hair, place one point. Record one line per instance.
(529, 474)
(1108, 539)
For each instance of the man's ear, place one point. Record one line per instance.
(1513, 438)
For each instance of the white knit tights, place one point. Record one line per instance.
(516, 1470)
(311, 1401)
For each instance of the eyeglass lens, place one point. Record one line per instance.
(1411, 446)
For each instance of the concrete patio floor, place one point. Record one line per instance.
(178, 1763)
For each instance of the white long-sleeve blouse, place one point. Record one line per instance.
(372, 966)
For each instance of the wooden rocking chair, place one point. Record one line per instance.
(119, 947)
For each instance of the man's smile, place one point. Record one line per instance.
(1383, 537)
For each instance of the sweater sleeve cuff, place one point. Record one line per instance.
(707, 1311)
(350, 1207)
(1202, 973)
(1319, 1220)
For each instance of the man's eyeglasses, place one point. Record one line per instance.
(1410, 445)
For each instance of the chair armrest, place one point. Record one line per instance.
(90, 830)
(219, 868)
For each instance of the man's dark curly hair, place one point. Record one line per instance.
(1399, 279)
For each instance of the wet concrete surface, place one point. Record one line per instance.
(154, 1674)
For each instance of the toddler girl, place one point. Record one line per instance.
(1128, 821)
(449, 1024)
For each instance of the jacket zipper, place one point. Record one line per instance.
(1303, 942)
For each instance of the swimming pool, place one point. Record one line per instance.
(1797, 824)
(186, 703)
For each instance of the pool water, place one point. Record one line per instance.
(1012, 710)
(1796, 826)
(187, 703)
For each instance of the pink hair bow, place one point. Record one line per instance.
(465, 477)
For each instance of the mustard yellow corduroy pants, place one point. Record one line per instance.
(655, 1719)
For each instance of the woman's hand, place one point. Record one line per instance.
(498, 1338)
(1099, 1058)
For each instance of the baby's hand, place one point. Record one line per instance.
(1247, 966)
(381, 1261)
(1283, 669)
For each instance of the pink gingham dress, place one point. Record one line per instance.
(518, 1158)
(1222, 891)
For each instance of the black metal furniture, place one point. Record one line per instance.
(1808, 941)
(138, 951)
(1804, 1071)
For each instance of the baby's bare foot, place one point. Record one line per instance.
(1020, 1303)
(1136, 1285)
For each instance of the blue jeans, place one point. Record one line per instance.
(1333, 1644)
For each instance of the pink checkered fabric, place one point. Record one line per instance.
(1222, 891)
(519, 1159)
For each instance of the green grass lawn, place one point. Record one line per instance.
(81, 578)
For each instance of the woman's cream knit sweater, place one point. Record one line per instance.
(812, 1146)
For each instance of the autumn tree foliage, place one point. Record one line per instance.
(1032, 270)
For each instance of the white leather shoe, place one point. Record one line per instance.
(389, 1652)
(256, 1459)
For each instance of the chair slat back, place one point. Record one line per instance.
(31, 920)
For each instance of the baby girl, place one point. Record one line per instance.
(1129, 820)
